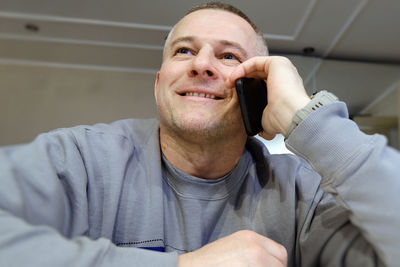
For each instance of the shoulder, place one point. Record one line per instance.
(113, 138)
(137, 131)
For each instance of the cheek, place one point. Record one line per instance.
(161, 83)
(167, 78)
(163, 91)
(173, 69)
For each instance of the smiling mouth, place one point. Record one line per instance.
(204, 95)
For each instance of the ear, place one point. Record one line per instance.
(156, 86)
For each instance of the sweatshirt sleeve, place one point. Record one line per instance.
(361, 172)
(44, 210)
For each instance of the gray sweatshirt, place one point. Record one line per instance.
(103, 195)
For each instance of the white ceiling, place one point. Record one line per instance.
(356, 42)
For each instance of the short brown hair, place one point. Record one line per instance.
(261, 48)
(226, 7)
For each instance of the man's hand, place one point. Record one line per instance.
(243, 248)
(286, 93)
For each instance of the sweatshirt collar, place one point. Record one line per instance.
(188, 186)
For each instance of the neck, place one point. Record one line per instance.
(208, 159)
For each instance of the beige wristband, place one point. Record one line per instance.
(318, 100)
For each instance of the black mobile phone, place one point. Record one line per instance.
(252, 94)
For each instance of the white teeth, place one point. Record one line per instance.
(200, 95)
(210, 96)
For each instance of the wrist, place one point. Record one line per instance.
(318, 100)
(290, 112)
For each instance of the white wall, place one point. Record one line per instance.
(61, 97)
(388, 107)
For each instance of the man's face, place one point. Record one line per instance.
(190, 90)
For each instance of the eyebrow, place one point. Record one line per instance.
(182, 39)
(223, 42)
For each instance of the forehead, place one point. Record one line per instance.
(216, 25)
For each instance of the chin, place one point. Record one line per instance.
(201, 124)
(194, 125)
(208, 128)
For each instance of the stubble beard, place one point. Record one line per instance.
(199, 129)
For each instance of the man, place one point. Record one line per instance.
(193, 184)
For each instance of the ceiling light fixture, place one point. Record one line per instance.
(31, 27)
(308, 50)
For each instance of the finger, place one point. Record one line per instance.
(259, 75)
(267, 136)
(274, 262)
(254, 67)
(275, 249)
(237, 73)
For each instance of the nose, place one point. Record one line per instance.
(203, 65)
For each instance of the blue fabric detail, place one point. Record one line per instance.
(160, 249)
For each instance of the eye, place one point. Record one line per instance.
(230, 56)
(183, 50)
